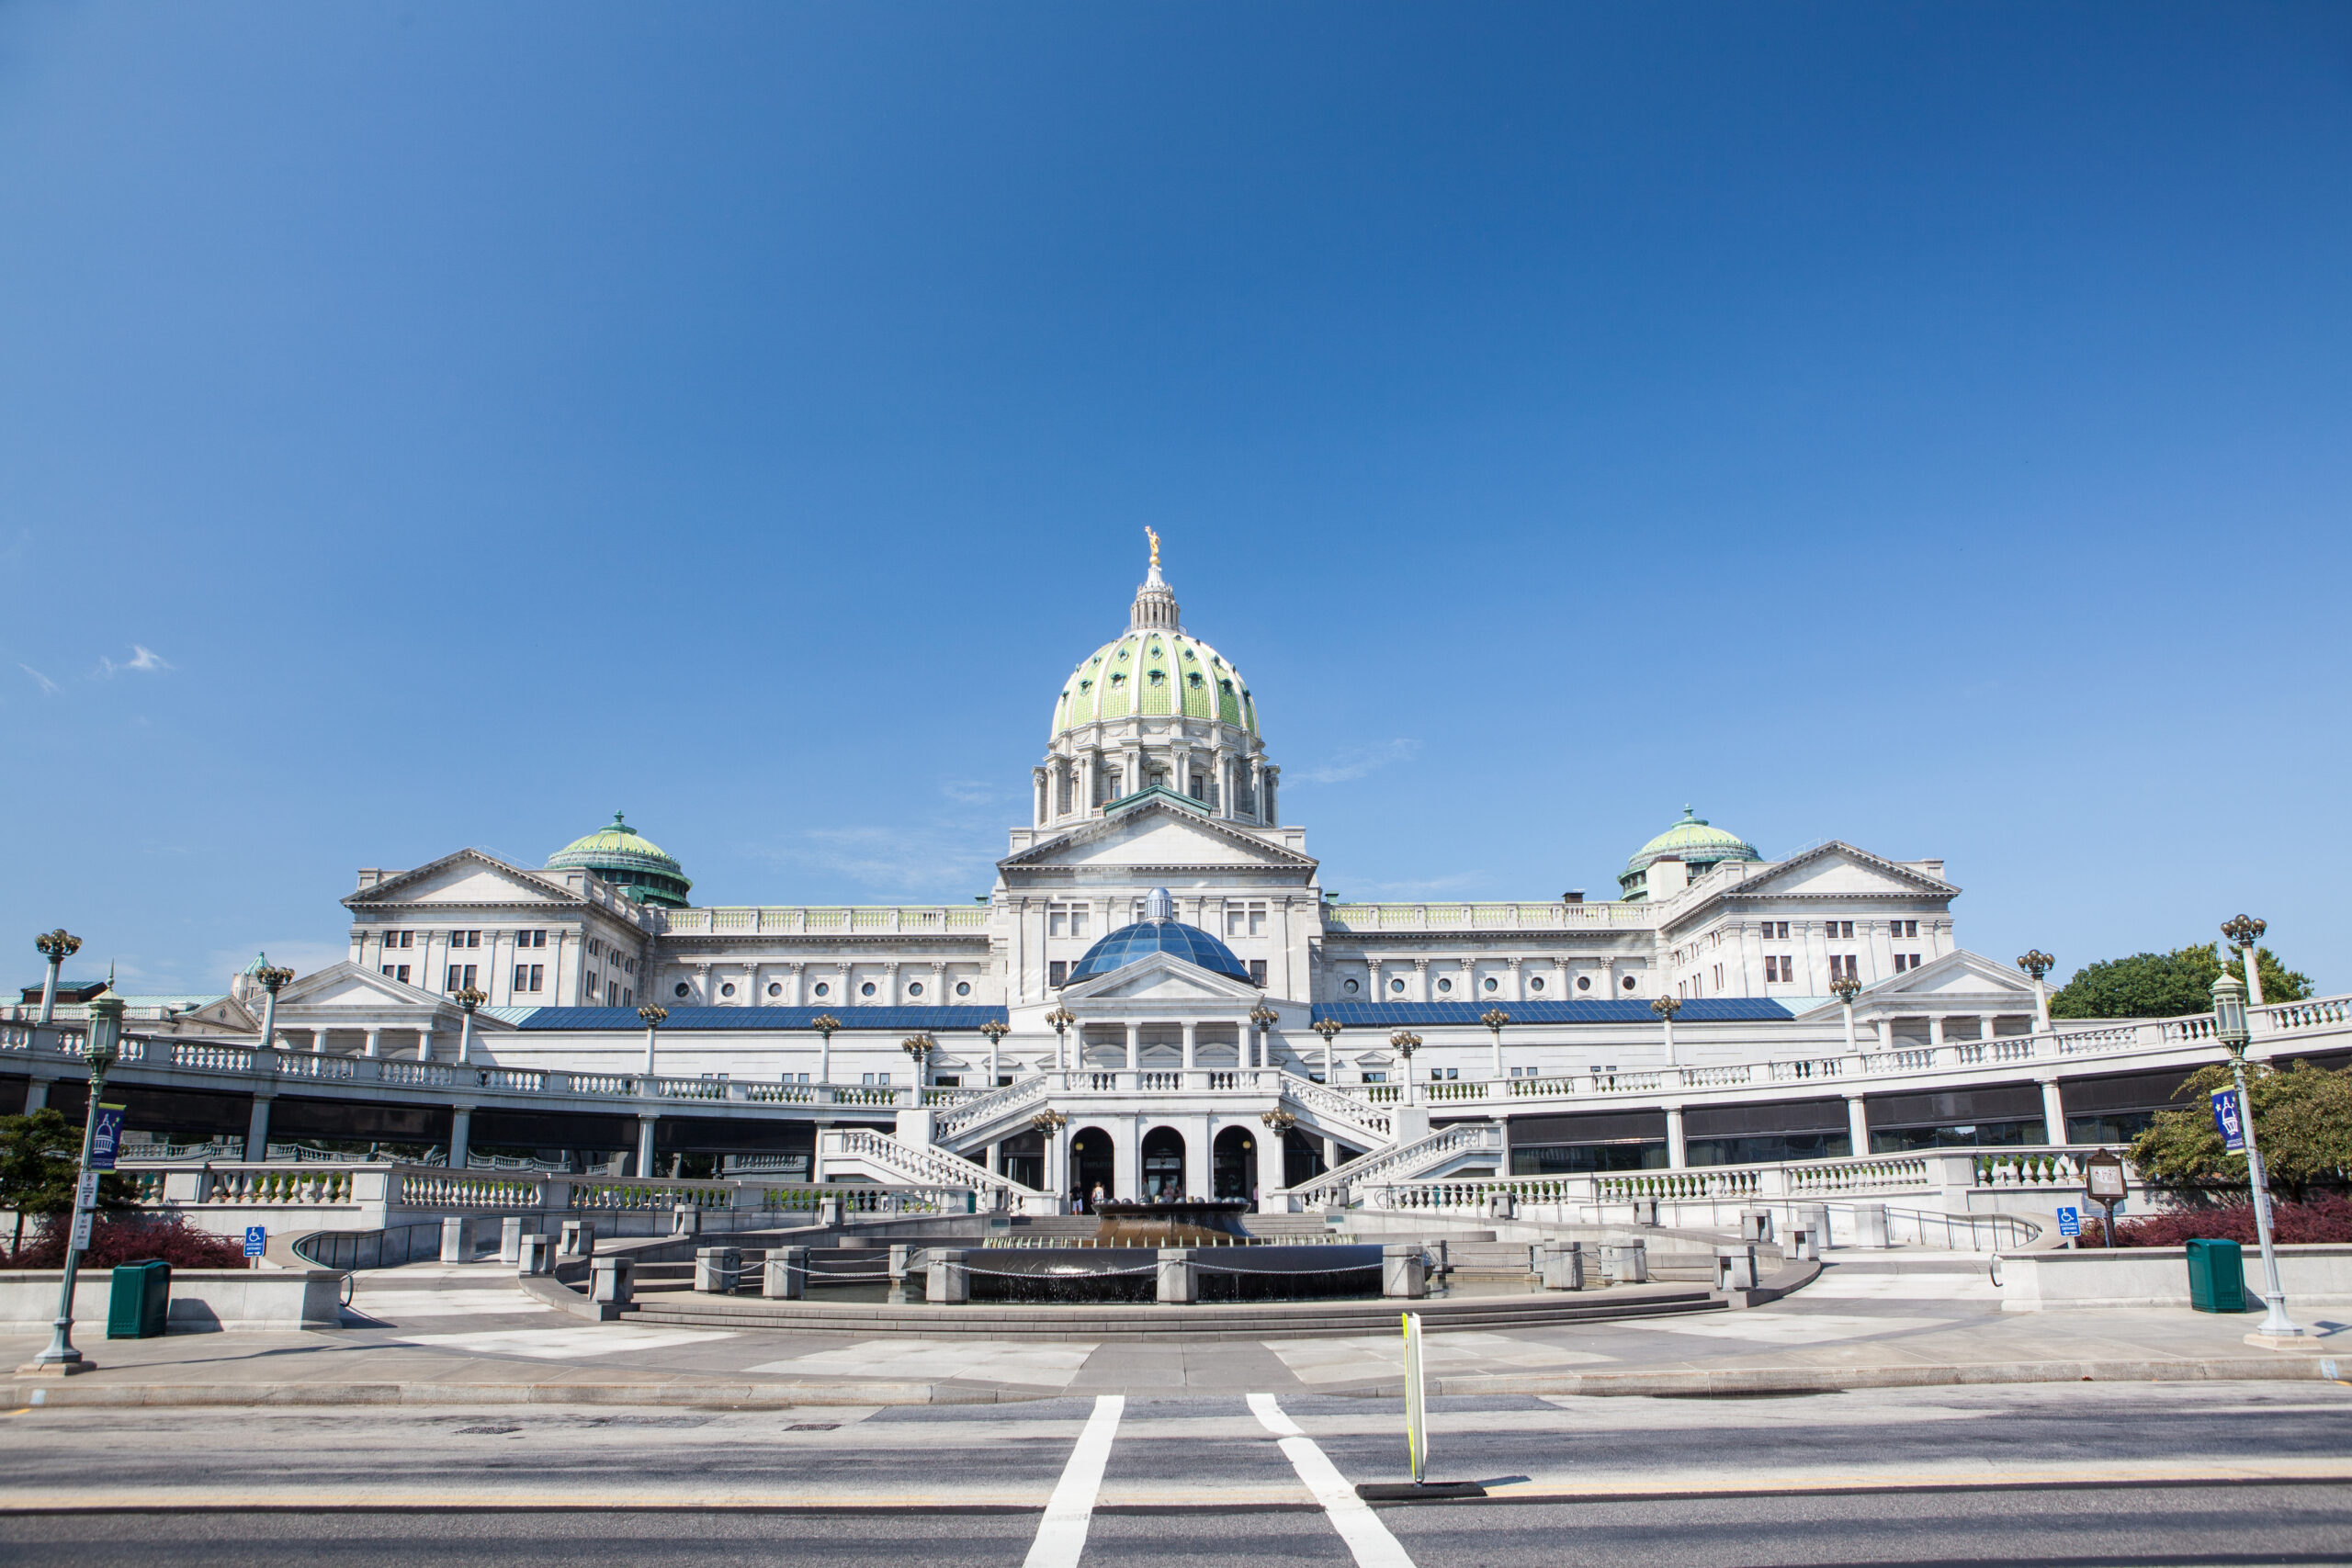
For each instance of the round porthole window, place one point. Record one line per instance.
(1396, 988)
(774, 988)
(867, 989)
(914, 988)
(682, 989)
(1535, 985)
(1584, 982)
(963, 987)
(1349, 986)
(1445, 986)
(823, 989)
(1628, 982)
(1490, 983)
(727, 989)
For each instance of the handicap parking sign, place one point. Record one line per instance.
(256, 1235)
(2069, 1222)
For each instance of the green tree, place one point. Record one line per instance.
(2302, 1121)
(41, 1154)
(2167, 985)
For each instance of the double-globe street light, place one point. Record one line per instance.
(2230, 1028)
(996, 1029)
(1061, 1018)
(468, 998)
(2243, 933)
(824, 1023)
(1846, 987)
(2037, 964)
(653, 1016)
(1494, 1018)
(273, 980)
(1265, 1018)
(1329, 1027)
(1405, 1042)
(920, 1047)
(1665, 1008)
(104, 1040)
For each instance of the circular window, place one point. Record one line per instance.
(1445, 986)
(682, 989)
(1490, 983)
(727, 989)
(1349, 986)
(774, 989)
(1397, 986)
(1628, 982)
(1535, 985)
(867, 989)
(823, 989)
(1584, 982)
(963, 987)
(915, 988)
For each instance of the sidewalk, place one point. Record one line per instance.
(467, 1336)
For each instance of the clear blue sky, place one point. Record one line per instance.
(426, 426)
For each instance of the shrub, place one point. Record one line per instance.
(2328, 1219)
(128, 1240)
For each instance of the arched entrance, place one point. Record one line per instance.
(1092, 1163)
(1163, 1164)
(1233, 1163)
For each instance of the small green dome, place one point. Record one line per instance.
(625, 858)
(1693, 842)
(1153, 670)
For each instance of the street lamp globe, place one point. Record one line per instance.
(2229, 1015)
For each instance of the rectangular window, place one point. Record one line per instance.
(1375, 1075)
(1771, 969)
(1057, 972)
(1058, 922)
(522, 976)
(612, 993)
(1719, 976)
(1258, 972)
(629, 996)
(588, 991)
(1906, 929)
(1844, 964)
(1844, 930)
(403, 976)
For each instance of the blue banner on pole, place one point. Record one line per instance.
(2069, 1222)
(105, 1138)
(2227, 1121)
(255, 1237)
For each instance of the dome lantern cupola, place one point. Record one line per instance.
(1158, 931)
(1698, 847)
(625, 858)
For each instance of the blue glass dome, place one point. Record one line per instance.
(1163, 934)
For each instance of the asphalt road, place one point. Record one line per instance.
(2019, 1474)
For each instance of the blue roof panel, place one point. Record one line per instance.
(853, 1018)
(1143, 939)
(1389, 1015)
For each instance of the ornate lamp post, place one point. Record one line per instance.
(1061, 1018)
(920, 1046)
(273, 980)
(1265, 1018)
(1846, 987)
(56, 946)
(1665, 1008)
(655, 1017)
(2230, 1028)
(1050, 1123)
(2037, 964)
(1494, 1018)
(824, 1023)
(1329, 1027)
(1406, 1043)
(468, 998)
(106, 1035)
(995, 1028)
(2243, 933)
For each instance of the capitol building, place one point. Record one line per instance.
(1158, 996)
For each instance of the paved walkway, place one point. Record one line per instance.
(469, 1335)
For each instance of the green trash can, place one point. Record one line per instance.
(2217, 1276)
(141, 1300)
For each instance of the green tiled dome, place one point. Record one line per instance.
(625, 858)
(1154, 671)
(1690, 840)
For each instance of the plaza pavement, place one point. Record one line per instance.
(468, 1336)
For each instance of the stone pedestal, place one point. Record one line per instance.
(609, 1280)
(686, 1219)
(947, 1277)
(1404, 1271)
(1756, 1224)
(456, 1239)
(1645, 1211)
(786, 1277)
(1561, 1265)
(1735, 1268)
(1625, 1262)
(535, 1254)
(1814, 1217)
(717, 1270)
(1180, 1282)
(510, 1240)
(1805, 1246)
(577, 1239)
(1869, 1225)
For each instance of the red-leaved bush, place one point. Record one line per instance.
(130, 1240)
(2321, 1220)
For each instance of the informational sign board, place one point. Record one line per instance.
(85, 1191)
(256, 1238)
(105, 1138)
(2103, 1177)
(81, 1230)
(2228, 1122)
(2069, 1222)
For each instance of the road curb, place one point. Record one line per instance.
(1733, 1381)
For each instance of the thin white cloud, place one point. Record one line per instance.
(1438, 886)
(47, 686)
(1360, 760)
(934, 862)
(971, 792)
(146, 661)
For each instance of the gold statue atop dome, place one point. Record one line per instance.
(1154, 546)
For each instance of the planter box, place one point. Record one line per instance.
(203, 1301)
(2158, 1276)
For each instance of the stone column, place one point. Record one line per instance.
(462, 1125)
(424, 1043)
(1257, 789)
(258, 1130)
(798, 989)
(1270, 1161)
(1191, 1030)
(1518, 980)
(1678, 1155)
(2053, 1113)
(1421, 979)
(1886, 1034)
(1134, 1046)
(318, 1040)
(1857, 1125)
(1984, 1026)
(1372, 973)
(890, 983)
(1935, 1031)
(645, 1125)
(375, 1046)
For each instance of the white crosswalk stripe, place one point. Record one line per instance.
(1061, 1535)
(1368, 1540)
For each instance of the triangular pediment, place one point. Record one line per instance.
(467, 877)
(1841, 871)
(1156, 836)
(1957, 976)
(1161, 978)
(347, 986)
(222, 1012)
